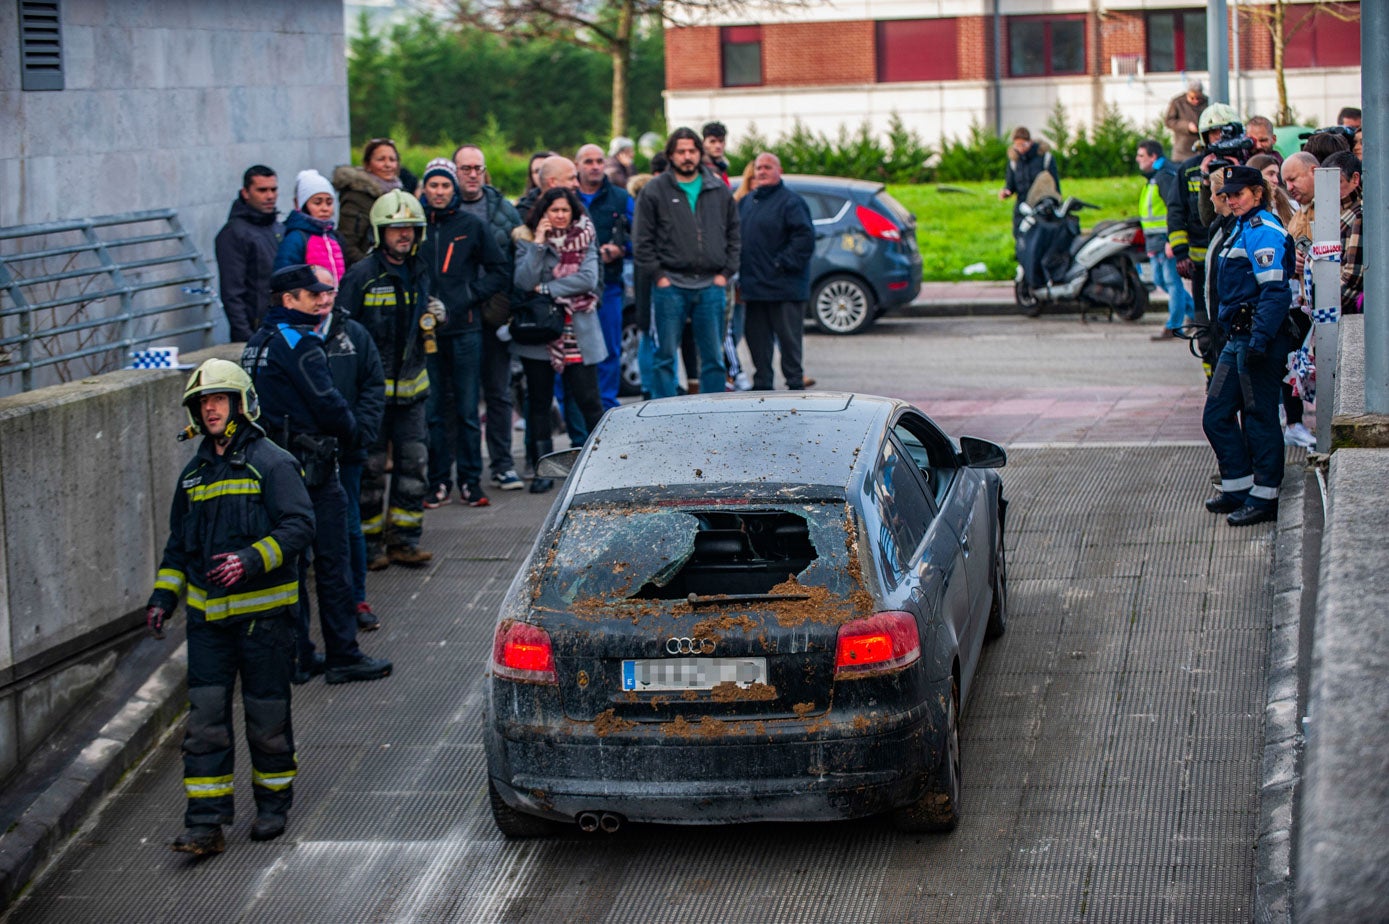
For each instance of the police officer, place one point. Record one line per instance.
(1253, 266)
(307, 415)
(239, 519)
(388, 292)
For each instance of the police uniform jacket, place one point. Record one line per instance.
(466, 267)
(289, 366)
(250, 500)
(1254, 264)
(388, 300)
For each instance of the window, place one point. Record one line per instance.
(1177, 40)
(904, 511)
(742, 55)
(40, 45)
(932, 452)
(823, 206)
(1045, 47)
(917, 49)
(1316, 38)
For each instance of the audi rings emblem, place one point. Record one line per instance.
(689, 646)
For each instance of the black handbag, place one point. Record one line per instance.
(536, 319)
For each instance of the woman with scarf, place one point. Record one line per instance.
(557, 255)
(359, 188)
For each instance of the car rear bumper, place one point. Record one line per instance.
(789, 770)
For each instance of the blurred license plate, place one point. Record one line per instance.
(691, 673)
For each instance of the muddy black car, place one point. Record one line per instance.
(749, 608)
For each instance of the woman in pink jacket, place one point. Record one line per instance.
(309, 234)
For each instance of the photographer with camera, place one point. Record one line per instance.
(1222, 139)
(303, 411)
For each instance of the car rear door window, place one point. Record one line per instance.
(932, 452)
(904, 511)
(824, 207)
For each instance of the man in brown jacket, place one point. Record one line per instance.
(1183, 116)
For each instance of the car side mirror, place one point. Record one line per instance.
(558, 464)
(977, 453)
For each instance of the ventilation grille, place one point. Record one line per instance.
(41, 45)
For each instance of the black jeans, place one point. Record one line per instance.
(580, 381)
(784, 321)
(496, 394)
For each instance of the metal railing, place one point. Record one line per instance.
(58, 298)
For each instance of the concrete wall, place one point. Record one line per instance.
(87, 472)
(166, 103)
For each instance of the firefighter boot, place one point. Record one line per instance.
(201, 840)
(267, 826)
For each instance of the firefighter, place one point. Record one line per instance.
(1253, 268)
(306, 414)
(239, 520)
(388, 292)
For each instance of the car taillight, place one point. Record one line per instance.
(876, 225)
(521, 651)
(881, 642)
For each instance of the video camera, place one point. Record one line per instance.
(1233, 142)
(1345, 130)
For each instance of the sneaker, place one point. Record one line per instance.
(437, 498)
(200, 840)
(366, 619)
(741, 382)
(807, 382)
(411, 555)
(508, 480)
(472, 495)
(1299, 435)
(364, 668)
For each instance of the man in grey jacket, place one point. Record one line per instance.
(687, 240)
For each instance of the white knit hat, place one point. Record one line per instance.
(310, 183)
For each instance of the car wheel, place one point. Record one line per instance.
(1138, 294)
(998, 611)
(516, 824)
(1027, 300)
(629, 371)
(938, 809)
(842, 305)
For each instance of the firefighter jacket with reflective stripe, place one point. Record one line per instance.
(288, 362)
(250, 500)
(1185, 232)
(1152, 202)
(388, 299)
(1254, 265)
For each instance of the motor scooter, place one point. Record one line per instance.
(1057, 264)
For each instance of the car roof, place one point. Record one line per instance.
(838, 183)
(808, 438)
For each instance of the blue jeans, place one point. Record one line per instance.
(1241, 420)
(455, 372)
(610, 369)
(1179, 302)
(670, 307)
(350, 474)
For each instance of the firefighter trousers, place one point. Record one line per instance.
(405, 433)
(261, 652)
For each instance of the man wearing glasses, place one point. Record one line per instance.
(481, 199)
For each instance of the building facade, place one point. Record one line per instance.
(943, 65)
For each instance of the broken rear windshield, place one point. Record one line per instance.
(616, 552)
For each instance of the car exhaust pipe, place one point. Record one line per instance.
(588, 822)
(610, 822)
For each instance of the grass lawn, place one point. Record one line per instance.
(963, 223)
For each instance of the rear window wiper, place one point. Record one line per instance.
(718, 599)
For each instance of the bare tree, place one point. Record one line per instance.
(1274, 18)
(606, 26)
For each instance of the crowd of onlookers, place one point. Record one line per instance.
(443, 312)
